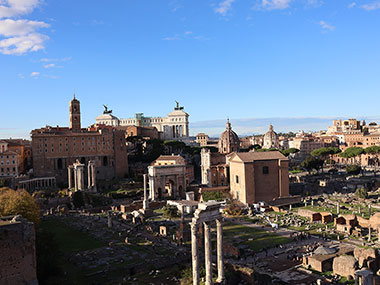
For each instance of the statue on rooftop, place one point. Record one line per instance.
(106, 111)
(178, 107)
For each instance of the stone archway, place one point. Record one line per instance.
(170, 188)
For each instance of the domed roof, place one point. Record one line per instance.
(229, 141)
(271, 132)
(229, 134)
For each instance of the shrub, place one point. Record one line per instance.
(361, 193)
(233, 209)
(170, 212)
(353, 169)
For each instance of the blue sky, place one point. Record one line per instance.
(241, 59)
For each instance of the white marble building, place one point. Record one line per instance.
(175, 126)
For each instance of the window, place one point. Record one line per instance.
(237, 179)
(265, 170)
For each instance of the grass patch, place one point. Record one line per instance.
(70, 240)
(256, 239)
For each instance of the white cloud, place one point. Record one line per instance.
(276, 4)
(352, 5)
(20, 36)
(19, 45)
(50, 65)
(34, 74)
(9, 28)
(12, 8)
(371, 6)
(175, 38)
(188, 32)
(326, 27)
(63, 59)
(223, 7)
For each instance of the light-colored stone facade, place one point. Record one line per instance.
(214, 169)
(8, 161)
(169, 177)
(173, 127)
(258, 176)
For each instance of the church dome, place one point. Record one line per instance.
(229, 140)
(271, 139)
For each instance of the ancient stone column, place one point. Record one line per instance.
(89, 182)
(194, 253)
(80, 176)
(145, 202)
(69, 177)
(369, 210)
(93, 174)
(151, 189)
(219, 251)
(369, 233)
(76, 178)
(338, 208)
(208, 259)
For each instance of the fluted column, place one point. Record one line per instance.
(76, 178)
(89, 182)
(220, 261)
(208, 260)
(194, 254)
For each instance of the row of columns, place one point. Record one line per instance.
(76, 174)
(36, 183)
(208, 251)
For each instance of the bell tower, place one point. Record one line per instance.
(75, 115)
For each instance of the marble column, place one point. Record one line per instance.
(151, 189)
(93, 174)
(89, 182)
(194, 253)
(219, 251)
(145, 202)
(76, 178)
(208, 259)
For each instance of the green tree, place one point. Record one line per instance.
(19, 202)
(361, 193)
(352, 152)
(289, 151)
(324, 152)
(311, 163)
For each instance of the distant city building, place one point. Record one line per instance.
(8, 161)
(202, 139)
(345, 126)
(55, 148)
(23, 148)
(271, 139)
(258, 176)
(169, 176)
(229, 140)
(173, 127)
(144, 132)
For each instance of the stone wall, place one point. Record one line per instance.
(18, 252)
